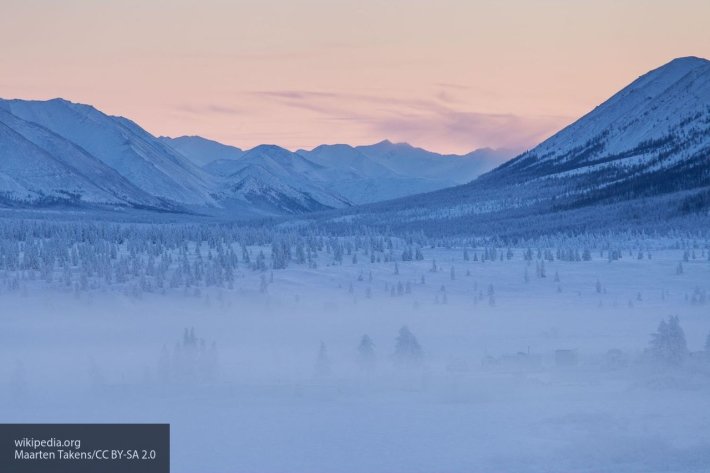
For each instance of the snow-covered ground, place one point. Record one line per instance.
(520, 373)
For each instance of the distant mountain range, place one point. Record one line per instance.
(351, 175)
(59, 153)
(641, 156)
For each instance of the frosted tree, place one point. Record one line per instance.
(668, 344)
(366, 352)
(679, 268)
(407, 352)
(444, 298)
(541, 270)
(491, 295)
(418, 255)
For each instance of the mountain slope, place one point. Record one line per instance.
(38, 166)
(121, 144)
(658, 125)
(274, 175)
(362, 180)
(384, 171)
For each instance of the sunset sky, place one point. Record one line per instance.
(448, 75)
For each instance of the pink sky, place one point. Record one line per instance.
(446, 75)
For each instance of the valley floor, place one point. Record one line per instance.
(520, 373)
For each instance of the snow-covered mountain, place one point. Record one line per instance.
(60, 153)
(365, 179)
(651, 137)
(57, 151)
(407, 160)
(642, 155)
(271, 174)
(201, 151)
(337, 176)
(333, 176)
(40, 167)
(121, 144)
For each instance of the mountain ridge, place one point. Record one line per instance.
(649, 142)
(98, 159)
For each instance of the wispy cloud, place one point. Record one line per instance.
(440, 121)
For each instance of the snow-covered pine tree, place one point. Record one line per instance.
(366, 353)
(668, 343)
(408, 353)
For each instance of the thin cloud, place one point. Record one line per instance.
(437, 122)
(465, 130)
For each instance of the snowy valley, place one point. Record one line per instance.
(551, 313)
(363, 353)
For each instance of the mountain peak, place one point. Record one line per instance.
(657, 80)
(687, 61)
(387, 144)
(333, 147)
(268, 148)
(384, 142)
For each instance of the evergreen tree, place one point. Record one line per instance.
(408, 352)
(668, 344)
(366, 352)
(418, 254)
